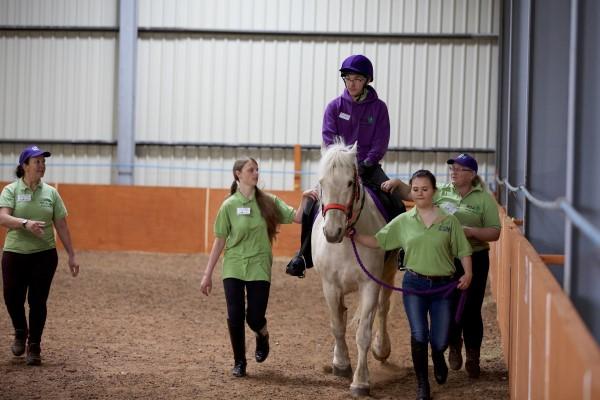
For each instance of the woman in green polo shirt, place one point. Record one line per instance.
(431, 239)
(29, 208)
(245, 227)
(467, 198)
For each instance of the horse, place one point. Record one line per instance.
(345, 203)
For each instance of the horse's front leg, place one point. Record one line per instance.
(338, 315)
(368, 302)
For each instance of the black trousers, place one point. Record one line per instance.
(28, 275)
(257, 293)
(470, 326)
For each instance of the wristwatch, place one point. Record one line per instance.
(24, 223)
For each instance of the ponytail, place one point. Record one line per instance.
(269, 212)
(478, 181)
(233, 188)
(19, 171)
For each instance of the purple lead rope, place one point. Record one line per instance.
(446, 289)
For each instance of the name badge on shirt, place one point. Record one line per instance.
(450, 208)
(243, 211)
(345, 116)
(24, 197)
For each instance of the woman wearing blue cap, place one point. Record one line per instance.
(29, 208)
(359, 116)
(467, 198)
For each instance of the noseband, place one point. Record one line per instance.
(347, 208)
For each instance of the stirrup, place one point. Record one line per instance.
(296, 266)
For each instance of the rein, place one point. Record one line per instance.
(446, 289)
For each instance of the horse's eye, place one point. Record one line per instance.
(350, 183)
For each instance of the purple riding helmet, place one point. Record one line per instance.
(357, 64)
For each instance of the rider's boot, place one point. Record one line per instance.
(303, 259)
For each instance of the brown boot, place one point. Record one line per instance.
(472, 363)
(455, 355)
(18, 346)
(34, 356)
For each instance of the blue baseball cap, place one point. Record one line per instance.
(32, 151)
(465, 160)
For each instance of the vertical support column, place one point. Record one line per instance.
(297, 167)
(128, 27)
(505, 79)
(583, 258)
(518, 128)
(570, 156)
(548, 115)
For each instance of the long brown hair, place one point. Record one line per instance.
(265, 202)
(477, 180)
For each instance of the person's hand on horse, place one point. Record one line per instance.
(311, 194)
(464, 281)
(391, 185)
(350, 232)
(206, 285)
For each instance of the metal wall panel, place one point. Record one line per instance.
(187, 166)
(198, 89)
(59, 12)
(68, 163)
(227, 86)
(57, 86)
(391, 16)
(211, 166)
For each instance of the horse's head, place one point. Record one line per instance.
(339, 183)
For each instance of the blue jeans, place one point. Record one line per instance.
(419, 307)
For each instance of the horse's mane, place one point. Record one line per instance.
(337, 155)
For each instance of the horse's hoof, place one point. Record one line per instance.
(360, 391)
(343, 372)
(381, 358)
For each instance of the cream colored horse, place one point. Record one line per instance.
(344, 202)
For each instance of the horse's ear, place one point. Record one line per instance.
(353, 148)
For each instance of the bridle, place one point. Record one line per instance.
(348, 209)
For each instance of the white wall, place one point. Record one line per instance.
(229, 79)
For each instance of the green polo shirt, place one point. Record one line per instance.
(248, 254)
(429, 251)
(477, 209)
(43, 204)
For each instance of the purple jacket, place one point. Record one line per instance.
(367, 121)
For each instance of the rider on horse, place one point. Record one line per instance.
(357, 116)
